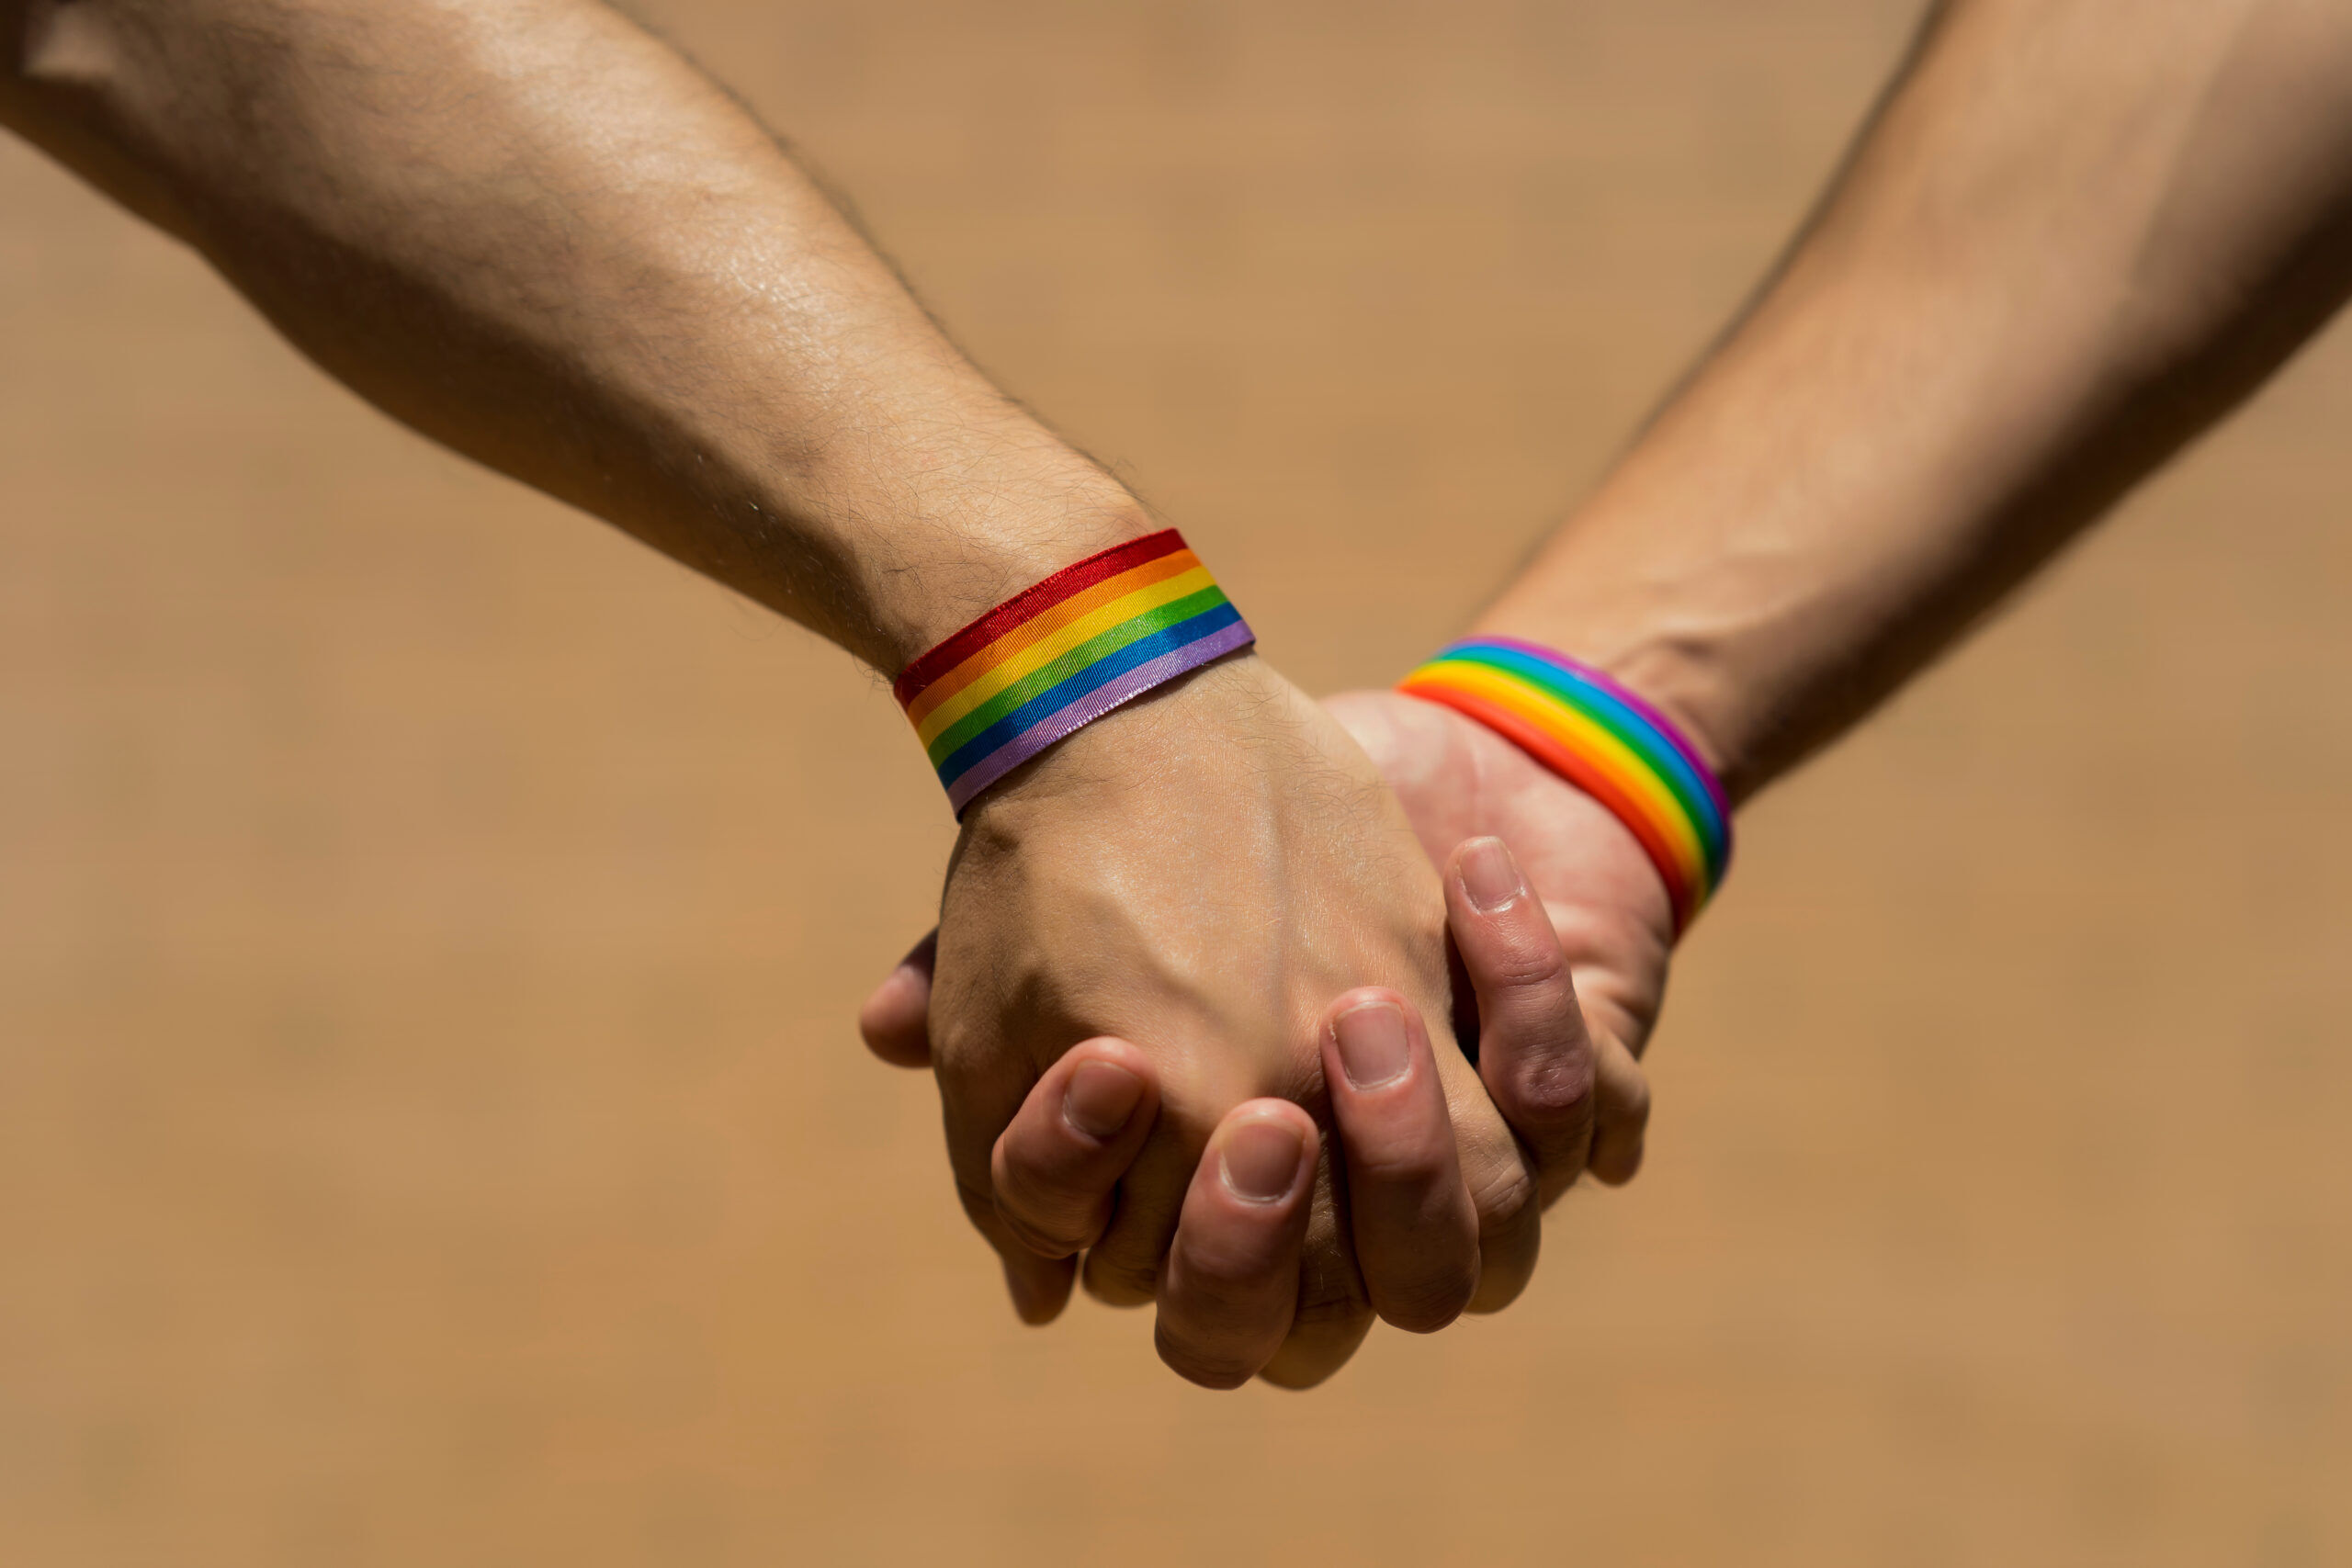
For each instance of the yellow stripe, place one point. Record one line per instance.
(1043, 651)
(1583, 734)
(1045, 625)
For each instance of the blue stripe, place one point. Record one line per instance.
(1050, 702)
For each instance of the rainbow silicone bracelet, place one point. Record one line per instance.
(1059, 656)
(1602, 738)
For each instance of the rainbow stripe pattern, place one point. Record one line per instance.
(1059, 656)
(1602, 738)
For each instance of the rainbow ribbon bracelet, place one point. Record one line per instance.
(1059, 656)
(1602, 738)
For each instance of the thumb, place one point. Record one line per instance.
(894, 1020)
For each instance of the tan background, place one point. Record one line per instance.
(431, 1126)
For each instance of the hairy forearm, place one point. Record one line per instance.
(531, 230)
(2078, 232)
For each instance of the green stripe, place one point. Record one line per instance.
(1045, 677)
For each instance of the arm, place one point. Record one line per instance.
(530, 230)
(2075, 235)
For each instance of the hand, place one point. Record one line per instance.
(1199, 874)
(1230, 1287)
(1455, 779)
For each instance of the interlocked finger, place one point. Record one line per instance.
(1056, 1168)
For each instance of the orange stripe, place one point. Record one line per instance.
(1044, 626)
(1681, 891)
(1581, 733)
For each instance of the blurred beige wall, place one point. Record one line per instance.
(432, 1129)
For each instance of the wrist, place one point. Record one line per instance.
(1602, 737)
(1172, 733)
(1068, 650)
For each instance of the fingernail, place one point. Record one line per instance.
(1489, 875)
(1373, 1049)
(1101, 1099)
(1261, 1159)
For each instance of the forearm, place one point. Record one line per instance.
(2076, 234)
(532, 232)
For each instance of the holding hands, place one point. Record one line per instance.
(1190, 1005)
(1270, 1250)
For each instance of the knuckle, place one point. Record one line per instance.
(1412, 1167)
(1617, 1156)
(1553, 1091)
(1620, 1167)
(1497, 1287)
(1040, 1211)
(1223, 1283)
(1332, 1313)
(1325, 1332)
(1524, 964)
(1324, 1312)
(1509, 1248)
(1045, 1240)
(1634, 1111)
(979, 1204)
(1504, 1196)
(1299, 1376)
(1119, 1281)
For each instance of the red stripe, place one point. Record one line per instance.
(1028, 605)
(1578, 772)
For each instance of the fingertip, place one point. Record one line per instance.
(1231, 1284)
(1107, 1086)
(1485, 874)
(1372, 1041)
(1040, 1286)
(1299, 1373)
(1617, 1162)
(1620, 1125)
(1265, 1152)
(1115, 1283)
(1219, 1372)
(1500, 930)
(1415, 1226)
(1059, 1162)
(893, 1021)
(1363, 996)
(1536, 1057)
(1325, 1334)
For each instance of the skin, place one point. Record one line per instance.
(2073, 235)
(1229, 1291)
(1044, 941)
(1557, 1049)
(534, 232)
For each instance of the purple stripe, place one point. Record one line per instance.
(1663, 724)
(1092, 706)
